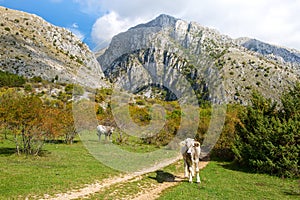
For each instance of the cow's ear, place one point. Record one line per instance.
(182, 143)
(196, 144)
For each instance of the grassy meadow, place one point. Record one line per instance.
(63, 167)
(60, 168)
(225, 181)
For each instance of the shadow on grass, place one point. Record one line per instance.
(295, 191)
(44, 153)
(162, 177)
(230, 164)
(6, 151)
(236, 167)
(59, 141)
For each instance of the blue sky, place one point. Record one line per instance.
(97, 21)
(67, 14)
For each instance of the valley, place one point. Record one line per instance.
(157, 83)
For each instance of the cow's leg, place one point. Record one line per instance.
(190, 175)
(191, 169)
(99, 136)
(109, 136)
(197, 172)
(105, 137)
(186, 172)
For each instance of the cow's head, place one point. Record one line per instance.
(189, 144)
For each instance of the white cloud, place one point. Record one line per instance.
(75, 25)
(109, 25)
(90, 6)
(273, 21)
(74, 28)
(78, 34)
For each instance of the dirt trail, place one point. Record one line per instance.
(154, 193)
(95, 187)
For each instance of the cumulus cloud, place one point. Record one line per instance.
(109, 25)
(91, 7)
(273, 21)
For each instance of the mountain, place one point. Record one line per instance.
(271, 51)
(30, 46)
(217, 67)
(166, 53)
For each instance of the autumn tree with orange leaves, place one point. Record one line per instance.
(32, 122)
(22, 114)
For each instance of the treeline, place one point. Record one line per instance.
(30, 121)
(11, 80)
(263, 136)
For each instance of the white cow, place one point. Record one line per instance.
(190, 150)
(106, 130)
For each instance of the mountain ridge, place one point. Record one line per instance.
(263, 48)
(161, 21)
(151, 53)
(30, 47)
(241, 69)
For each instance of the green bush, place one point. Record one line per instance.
(74, 89)
(27, 87)
(36, 79)
(267, 139)
(223, 148)
(102, 94)
(11, 80)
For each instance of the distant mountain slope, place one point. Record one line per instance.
(30, 46)
(218, 67)
(272, 51)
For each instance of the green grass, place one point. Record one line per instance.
(219, 181)
(63, 167)
(222, 181)
(117, 157)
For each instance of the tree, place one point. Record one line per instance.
(267, 140)
(68, 126)
(51, 122)
(22, 114)
(291, 102)
(57, 122)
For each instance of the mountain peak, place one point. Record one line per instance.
(161, 21)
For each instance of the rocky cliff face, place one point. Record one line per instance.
(30, 46)
(167, 51)
(271, 51)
